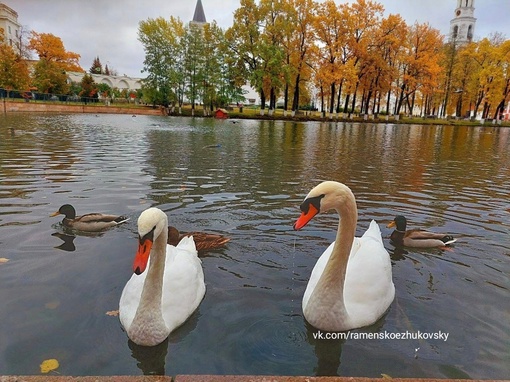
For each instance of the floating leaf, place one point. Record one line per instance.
(386, 376)
(3, 260)
(49, 365)
(114, 313)
(52, 305)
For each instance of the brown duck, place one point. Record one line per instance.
(93, 222)
(415, 237)
(203, 241)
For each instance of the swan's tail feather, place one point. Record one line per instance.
(187, 243)
(373, 231)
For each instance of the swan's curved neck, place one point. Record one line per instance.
(149, 309)
(329, 292)
(337, 265)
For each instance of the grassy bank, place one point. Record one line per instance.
(12, 105)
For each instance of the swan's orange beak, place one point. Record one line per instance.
(306, 217)
(142, 255)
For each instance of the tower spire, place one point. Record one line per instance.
(199, 16)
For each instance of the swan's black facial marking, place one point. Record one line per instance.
(144, 249)
(314, 201)
(148, 236)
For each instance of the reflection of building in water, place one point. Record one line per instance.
(462, 26)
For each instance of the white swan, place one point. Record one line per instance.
(351, 285)
(155, 302)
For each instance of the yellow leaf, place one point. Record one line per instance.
(386, 376)
(3, 260)
(52, 305)
(49, 365)
(114, 313)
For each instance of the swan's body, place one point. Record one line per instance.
(203, 240)
(93, 222)
(156, 301)
(417, 238)
(351, 284)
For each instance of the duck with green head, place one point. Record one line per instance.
(416, 238)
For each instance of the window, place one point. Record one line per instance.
(455, 31)
(470, 33)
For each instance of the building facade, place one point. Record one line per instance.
(119, 82)
(462, 26)
(10, 26)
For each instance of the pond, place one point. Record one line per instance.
(245, 179)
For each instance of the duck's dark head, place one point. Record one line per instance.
(400, 222)
(67, 210)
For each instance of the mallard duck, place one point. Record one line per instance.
(93, 222)
(156, 301)
(203, 241)
(351, 284)
(417, 238)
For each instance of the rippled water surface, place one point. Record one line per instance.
(246, 180)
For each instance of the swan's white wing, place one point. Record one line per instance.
(183, 283)
(368, 288)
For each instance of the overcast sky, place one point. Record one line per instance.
(108, 29)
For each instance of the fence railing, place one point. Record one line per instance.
(32, 96)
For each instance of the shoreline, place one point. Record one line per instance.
(222, 378)
(8, 107)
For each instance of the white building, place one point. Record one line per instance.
(10, 26)
(462, 26)
(119, 82)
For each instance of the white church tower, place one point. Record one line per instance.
(462, 26)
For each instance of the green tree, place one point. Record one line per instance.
(160, 39)
(244, 39)
(49, 77)
(96, 67)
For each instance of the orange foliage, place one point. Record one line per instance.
(51, 48)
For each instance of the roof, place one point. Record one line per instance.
(199, 16)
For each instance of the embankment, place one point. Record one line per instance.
(36, 107)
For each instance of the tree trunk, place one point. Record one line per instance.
(332, 98)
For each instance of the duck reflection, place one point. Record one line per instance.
(68, 241)
(151, 359)
(68, 235)
(398, 253)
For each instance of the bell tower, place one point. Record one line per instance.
(462, 26)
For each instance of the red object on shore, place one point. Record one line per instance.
(221, 114)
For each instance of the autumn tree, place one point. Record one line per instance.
(362, 19)
(490, 77)
(51, 48)
(301, 14)
(54, 61)
(420, 65)
(14, 74)
(88, 86)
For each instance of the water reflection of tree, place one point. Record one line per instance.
(37, 149)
